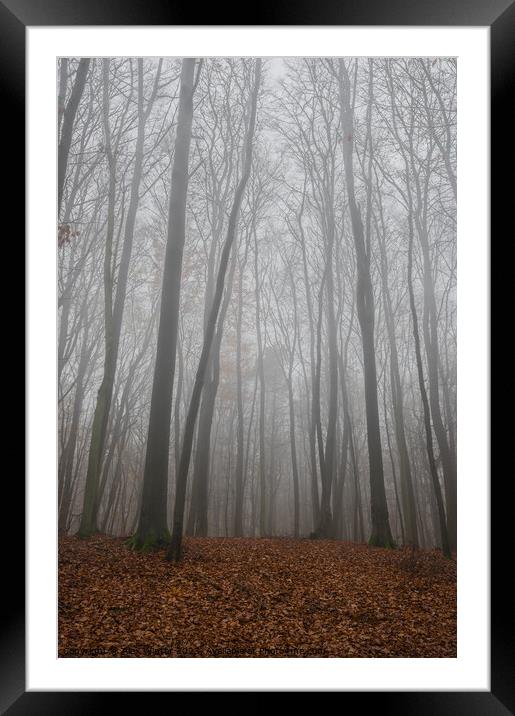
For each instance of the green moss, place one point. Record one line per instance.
(150, 542)
(86, 533)
(376, 541)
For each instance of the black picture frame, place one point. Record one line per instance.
(499, 15)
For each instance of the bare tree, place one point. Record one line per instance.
(152, 526)
(305, 284)
(174, 550)
(114, 299)
(68, 118)
(381, 533)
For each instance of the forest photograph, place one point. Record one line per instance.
(257, 357)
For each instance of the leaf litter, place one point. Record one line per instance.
(237, 597)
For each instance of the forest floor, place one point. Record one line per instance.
(255, 598)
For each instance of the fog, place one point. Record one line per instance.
(257, 299)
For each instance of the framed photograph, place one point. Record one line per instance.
(258, 353)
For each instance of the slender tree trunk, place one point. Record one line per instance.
(329, 463)
(358, 528)
(101, 415)
(152, 527)
(238, 501)
(61, 97)
(312, 403)
(66, 476)
(177, 407)
(337, 526)
(117, 476)
(261, 375)
(316, 412)
(430, 333)
(247, 458)
(113, 313)
(381, 533)
(346, 437)
(271, 470)
(394, 478)
(425, 403)
(199, 503)
(68, 119)
(203, 443)
(406, 480)
(174, 550)
(294, 465)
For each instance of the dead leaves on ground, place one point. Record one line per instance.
(255, 598)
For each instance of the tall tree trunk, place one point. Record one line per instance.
(430, 333)
(61, 97)
(207, 405)
(117, 476)
(261, 375)
(394, 478)
(406, 480)
(271, 471)
(329, 463)
(152, 526)
(101, 415)
(337, 525)
(357, 525)
(346, 438)
(113, 314)
(311, 401)
(247, 457)
(175, 547)
(66, 474)
(316, 411)
(67, 126)
(238, 500)
(199, 502)
(381, 533)
(177, 407)
(294, 466)
(425, 403)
